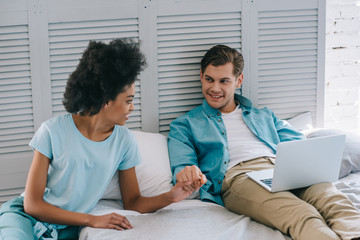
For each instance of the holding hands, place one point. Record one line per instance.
(193, 175)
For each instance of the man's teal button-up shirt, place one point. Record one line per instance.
(199, 138)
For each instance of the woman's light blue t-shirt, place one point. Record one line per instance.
(81, 169)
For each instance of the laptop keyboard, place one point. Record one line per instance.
(267, 181)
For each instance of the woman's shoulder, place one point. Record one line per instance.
(123, 132)
(60, 121)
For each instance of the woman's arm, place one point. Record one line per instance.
(132, 199)
(35, 206)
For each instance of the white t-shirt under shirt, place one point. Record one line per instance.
(81, 169)
(243, 144)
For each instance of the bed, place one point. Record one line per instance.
(192, 218)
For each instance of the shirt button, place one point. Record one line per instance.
(219, 114)
(219, 120)
(219, 181)
(223, 133)
(225, 162)
(227, 148)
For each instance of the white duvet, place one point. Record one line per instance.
(189, 219)
(193, 219)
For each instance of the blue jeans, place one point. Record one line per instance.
(16, 224)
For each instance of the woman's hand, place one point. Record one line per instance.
(111, 221)
(179, 192)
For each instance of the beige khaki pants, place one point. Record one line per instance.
(317, 212)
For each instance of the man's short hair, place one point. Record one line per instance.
(104, 71)
(222, 54)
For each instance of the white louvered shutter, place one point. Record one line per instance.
(282, 42)
(185, 31)
(16, 116)
(287, 60)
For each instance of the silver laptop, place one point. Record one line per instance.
(303, 163)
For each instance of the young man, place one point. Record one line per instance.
(215, 144)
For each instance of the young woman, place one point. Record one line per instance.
(76, 154)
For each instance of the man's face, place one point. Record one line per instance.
(219, 85)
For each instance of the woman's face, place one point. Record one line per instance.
(118, 110)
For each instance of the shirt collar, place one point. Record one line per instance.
(245, 105)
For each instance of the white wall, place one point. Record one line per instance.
(342, 74)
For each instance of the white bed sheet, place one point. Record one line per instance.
(194, 219)
(350, 185)
(189, 219)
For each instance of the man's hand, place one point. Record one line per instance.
(193, 175)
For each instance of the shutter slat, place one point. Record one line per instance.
(287, 31)
(22, 29)
(193, 102)
(197, 32)
(293, 65)
(179, 61)
(300, 12)
(195, 48)
(14, 36)
(93, 30)
(166, 28)
(9, 48)
(205, 40)
(288, 77)
(93, 36)
(14, 130)
(17, 74)
(8, 194)
(190, 78)
(179, 85)
(180, 73)
(287, 18)
(15, 68)
(287, 42)
(92, 24)
(298, 70)
(9, 56)
(165, 98)
(299, 60)
(198, 17)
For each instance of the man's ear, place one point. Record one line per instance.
(239, 80)
(201, 75)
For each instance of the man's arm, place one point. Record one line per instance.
(285, 131)
(183, 156)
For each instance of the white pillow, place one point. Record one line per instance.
(351, 155)
(301, 122)
(153, 173)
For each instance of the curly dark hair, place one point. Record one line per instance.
(104, 71)
(222, 54)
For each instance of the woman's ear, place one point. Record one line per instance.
(106, 105)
